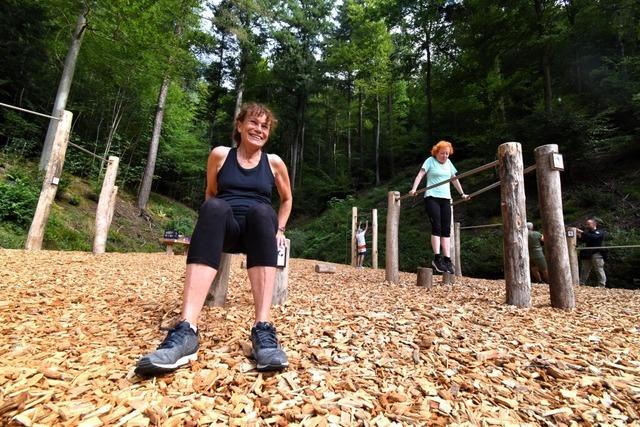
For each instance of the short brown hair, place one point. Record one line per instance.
(440, 145)
(253, 109)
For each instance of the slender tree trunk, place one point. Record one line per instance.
(302, 137)
(361, 127)
(116, 116)
(377, 139)
(64, 87)
(428, 88)
(501, 106)
(390, 138)
(349, 129)
(335, 143)
(545, 56)
(215, 101)
(147, 179)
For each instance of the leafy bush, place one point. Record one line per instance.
(182, 224)
(18, 199)
(59, 236)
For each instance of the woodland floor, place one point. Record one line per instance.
(361, 351)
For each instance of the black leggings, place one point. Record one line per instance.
(439, 212)
(218, 230)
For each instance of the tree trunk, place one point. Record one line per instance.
(428, 88)
(147, 179)
(64, 86)
(349, 129)
(377, 139)
(361, 127)
(390, 138)
(545, 57)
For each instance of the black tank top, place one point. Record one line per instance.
(243, 188)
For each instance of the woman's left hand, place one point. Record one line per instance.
(465, 196)
(281, 239)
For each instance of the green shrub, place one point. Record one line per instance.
(59, 236)
(182, 224)
(18, 199)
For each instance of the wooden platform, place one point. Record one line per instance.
(184, 241)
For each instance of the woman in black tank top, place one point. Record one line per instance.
(236, 216)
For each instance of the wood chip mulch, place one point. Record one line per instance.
(361, 351)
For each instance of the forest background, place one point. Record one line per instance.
(362, 90)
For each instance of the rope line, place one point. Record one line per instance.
(2, 104)
(87, 151)
(462, 175)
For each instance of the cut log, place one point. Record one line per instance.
(325, 268)
(425, 277)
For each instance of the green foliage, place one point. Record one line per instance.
(59, 235)
(18, 198)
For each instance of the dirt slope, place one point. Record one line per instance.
(362, 352)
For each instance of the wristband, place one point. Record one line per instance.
(281, 229)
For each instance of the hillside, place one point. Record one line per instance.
(361, 351)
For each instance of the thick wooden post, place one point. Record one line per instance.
(425, 277)
(217, 295)
(374, 239)
(103, 217)
(50, 183)
(281, 287)
(354, 225)
(448, 278)
(457, 260)
(548, 166)
(572, 241)
(514, 223)
(452, 236)
(392, 269)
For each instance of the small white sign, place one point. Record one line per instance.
(571, 233)
(55, 180)
(556, 162)
(282, 256)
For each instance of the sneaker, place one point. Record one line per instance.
(438, 264)
(448, 265)
(266, 350)
(178, 348)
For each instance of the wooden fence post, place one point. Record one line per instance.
(572, 240)
(103, 217)
(374, 239)
(50, 183)
(392, 269)
(458, 255)
(354, 225)
(281, 287)
(514, 224)
(452, 236)
(548, 166)
(217, 295)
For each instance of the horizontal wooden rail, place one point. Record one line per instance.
(2, 104)
(607, 247)
(490, 187)
(87, 151)
(470, 227)
(462, 175)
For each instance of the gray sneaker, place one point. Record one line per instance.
(448, 265)
(266, 350)
(178, 348)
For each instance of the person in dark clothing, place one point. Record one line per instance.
(236, 216)
(592, 259)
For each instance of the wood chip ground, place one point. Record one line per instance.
(361, 351)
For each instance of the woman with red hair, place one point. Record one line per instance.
(437, 200)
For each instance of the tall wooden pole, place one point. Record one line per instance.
(50, 183)
(573, 255)
(354, 225)
(281, 286)
(458, 255)
(103, 216)
(374, 239)
(217, 295)
(548, 166)
(514, 223)
(392, 269)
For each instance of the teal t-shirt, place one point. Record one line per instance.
(438, 172)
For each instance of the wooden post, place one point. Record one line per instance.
(354, 225)
(217, 295)
(425, 277)
(458, 258)
(452, 236)
(374, 239)
(50, 183)
(548, 166)
(103, 220)
(281, 287)
(572, 240)
(448, 278)
(323, 267)
(112, 202)
(514, 224)
(392, 269)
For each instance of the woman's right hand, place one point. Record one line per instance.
(412, 192)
